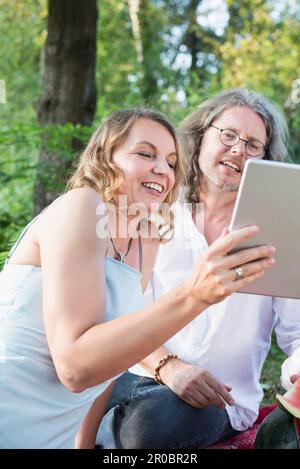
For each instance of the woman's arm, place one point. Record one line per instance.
(86, 436)
(87, 351)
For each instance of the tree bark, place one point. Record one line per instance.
(69, 90)
(148, 83)
(192, 39)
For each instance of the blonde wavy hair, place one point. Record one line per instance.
(96, 169)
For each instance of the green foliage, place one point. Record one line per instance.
(12, 234)
(19, 149)
(22, 32)
(116, 59)
(270, 378)
(18, 154)
(261, 54)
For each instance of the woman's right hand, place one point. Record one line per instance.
(215, 277)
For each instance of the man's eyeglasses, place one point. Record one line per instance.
(228, 137)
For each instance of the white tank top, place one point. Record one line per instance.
(36, 409)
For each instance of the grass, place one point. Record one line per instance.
(270, 378)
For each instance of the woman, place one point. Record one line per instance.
(72, 278)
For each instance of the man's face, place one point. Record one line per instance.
(222, 166)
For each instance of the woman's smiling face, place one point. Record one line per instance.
(147, 158)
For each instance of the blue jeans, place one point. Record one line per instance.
(144, 414)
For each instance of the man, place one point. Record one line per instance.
(210, 389)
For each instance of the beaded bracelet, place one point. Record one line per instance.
(161, 363)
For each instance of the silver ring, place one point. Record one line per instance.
(239, 273)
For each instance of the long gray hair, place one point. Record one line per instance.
(193, 128)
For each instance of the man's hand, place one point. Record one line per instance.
(195, 385)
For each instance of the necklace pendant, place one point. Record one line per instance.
(122, 257)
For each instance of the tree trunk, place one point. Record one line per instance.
(148, 83)
(69, 91)
(192, 39)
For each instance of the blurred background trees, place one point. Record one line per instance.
(69, 64)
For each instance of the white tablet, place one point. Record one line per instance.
(269, 197)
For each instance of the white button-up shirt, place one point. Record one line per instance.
(230, 339)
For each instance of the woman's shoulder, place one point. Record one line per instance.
(82, 195)
(76, 201)
(77, 210)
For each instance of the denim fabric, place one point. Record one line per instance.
(143, 414)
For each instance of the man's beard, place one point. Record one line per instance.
(229, 187)
(204, 181)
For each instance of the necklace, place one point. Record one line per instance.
(120, 255)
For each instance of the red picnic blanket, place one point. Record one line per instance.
(245, 440)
